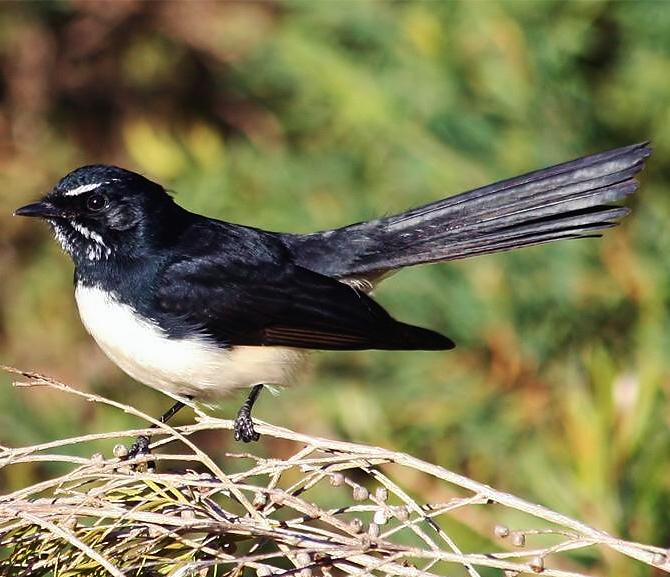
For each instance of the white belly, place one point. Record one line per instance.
(190, 366)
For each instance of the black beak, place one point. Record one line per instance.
(42, 209)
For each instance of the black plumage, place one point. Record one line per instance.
(167, 275)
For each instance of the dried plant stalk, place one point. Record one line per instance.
(332, 508)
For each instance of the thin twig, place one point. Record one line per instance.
(312, 509)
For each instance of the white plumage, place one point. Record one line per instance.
(191, 366)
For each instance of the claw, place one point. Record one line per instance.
(140, 448)
(244, 429)
(244, 425)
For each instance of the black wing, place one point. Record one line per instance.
(253, 294)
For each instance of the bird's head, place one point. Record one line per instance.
(98, 211)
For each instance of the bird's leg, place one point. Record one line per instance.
(244, 425)
(141, 444)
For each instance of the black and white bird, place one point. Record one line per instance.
(199, 308)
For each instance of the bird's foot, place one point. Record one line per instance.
(244, 425)
(244, 428)
(140, 448)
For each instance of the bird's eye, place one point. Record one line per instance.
(96, 202)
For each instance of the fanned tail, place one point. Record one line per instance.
(569, 200)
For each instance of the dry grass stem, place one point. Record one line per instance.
(330, 508)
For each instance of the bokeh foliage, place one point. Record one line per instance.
(303, 115)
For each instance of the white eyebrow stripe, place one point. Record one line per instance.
(83, 188)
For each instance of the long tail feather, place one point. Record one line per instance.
(569, 200)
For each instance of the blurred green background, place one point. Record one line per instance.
(308, 115)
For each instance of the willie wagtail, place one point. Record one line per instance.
(198, 307)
